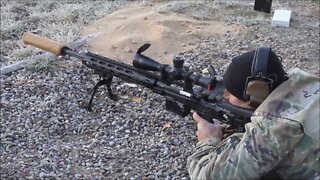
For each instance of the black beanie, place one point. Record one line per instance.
(234, 79)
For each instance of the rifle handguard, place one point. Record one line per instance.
(43, 43)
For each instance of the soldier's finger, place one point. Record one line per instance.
(197, 118)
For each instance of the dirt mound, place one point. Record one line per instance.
(121, 33)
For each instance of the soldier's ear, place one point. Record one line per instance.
(235, 101)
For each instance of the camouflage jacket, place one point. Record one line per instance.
(283, 135)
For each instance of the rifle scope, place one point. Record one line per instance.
(170, 74)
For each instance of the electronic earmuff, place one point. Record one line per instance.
(258, 86)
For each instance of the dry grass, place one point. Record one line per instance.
(43, 63)
(58, 20)
(63, 20)
(214, 10)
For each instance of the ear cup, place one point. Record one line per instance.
(258, 86)
(258, 91)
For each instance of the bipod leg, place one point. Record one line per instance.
(108, 83)
(93, 92)
(104, 81)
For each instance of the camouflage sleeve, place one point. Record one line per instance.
(247, 156)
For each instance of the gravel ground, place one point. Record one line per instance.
(46, 132)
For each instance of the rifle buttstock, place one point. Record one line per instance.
(43, 43)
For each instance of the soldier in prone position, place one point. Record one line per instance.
(282, 138)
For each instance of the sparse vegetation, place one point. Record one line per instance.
(59, 20)
(63, 20)
(46, 133)
(43, 63)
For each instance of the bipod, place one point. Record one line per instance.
(103, 81)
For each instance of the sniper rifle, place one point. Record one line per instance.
(184, 90)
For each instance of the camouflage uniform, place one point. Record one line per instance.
(283, 135)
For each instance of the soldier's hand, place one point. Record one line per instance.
(206, 129)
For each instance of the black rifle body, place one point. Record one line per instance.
(216, 109)
(183, 90)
